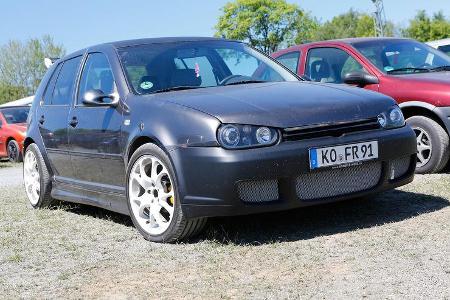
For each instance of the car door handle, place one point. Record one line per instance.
(73, 122)
(42, 120)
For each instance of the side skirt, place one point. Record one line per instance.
(107, 197)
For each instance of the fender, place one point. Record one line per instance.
(442, 113)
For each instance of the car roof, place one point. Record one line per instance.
(437, 43)
(145, 41)
(162, 40)
(346, 41)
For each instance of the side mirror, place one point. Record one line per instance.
(360, 79)
(97, 98)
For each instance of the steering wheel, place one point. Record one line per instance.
(228, 78)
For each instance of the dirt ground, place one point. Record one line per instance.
(394, 246)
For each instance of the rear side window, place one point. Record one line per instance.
(51, 86)
(290, 60)
(64, 86)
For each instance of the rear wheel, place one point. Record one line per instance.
(36, 178)
(153, 199)
(432, 144)
(13, 152)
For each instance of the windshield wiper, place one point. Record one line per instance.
(245, 82)
(441, 68)
(408, 69)
(414, 70)
(176, 88)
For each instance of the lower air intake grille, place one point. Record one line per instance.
(399, 167)
(338, 182)
(258, 191)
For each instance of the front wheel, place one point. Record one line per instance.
(153, 200)
(432, 144)
(13, 152)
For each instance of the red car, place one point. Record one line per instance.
(414, 74)
(12, 131)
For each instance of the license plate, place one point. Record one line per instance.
(342, 154)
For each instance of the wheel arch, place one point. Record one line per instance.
(27, 142)
(137, 142)
(9, 139)
(418, 108)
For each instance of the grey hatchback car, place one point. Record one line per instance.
(172, 131)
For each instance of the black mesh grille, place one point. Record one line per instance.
(315, 131)
(337, 182)
(399, 167)
(258, 190)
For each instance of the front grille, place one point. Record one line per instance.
(338, 182)
(338, 129)
(258, 190)
(399, 167)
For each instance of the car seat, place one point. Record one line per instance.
(320, 71)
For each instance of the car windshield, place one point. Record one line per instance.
(162, 67)
(15, 115)
(403, 56)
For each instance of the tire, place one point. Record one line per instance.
(14, 154)
(44, 198)
(434, 137)
(175, 226)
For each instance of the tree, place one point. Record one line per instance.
(264, 24)
(350, 24)
(10, 93)
(22, 64)
(424, 29)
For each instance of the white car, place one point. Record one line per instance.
(443, 45)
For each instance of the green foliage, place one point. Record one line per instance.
(22, 64)
(264, 24)
(10, 93)
(350, 24)
(423, 28)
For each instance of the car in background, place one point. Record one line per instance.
(442, 45)
(172, 131)
(13, 128)
(414, 74)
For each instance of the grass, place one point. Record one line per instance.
(395, 246)
(6, 164)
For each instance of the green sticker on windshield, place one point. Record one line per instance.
(146, 85)
(388, 68)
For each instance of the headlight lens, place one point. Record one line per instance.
(235, 136)
(393, 118)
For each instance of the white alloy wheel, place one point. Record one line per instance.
(32, 177)
(151, 194)
(424, 147)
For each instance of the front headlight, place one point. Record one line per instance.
(393, 118)
(235, 136)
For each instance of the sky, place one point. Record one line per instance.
(79, 23)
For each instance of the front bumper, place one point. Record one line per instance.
(209, 177)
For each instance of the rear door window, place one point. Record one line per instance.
(290, 60)
(51, 85)
(64, 86)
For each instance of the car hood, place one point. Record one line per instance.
(19, 127)
(282, 104)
